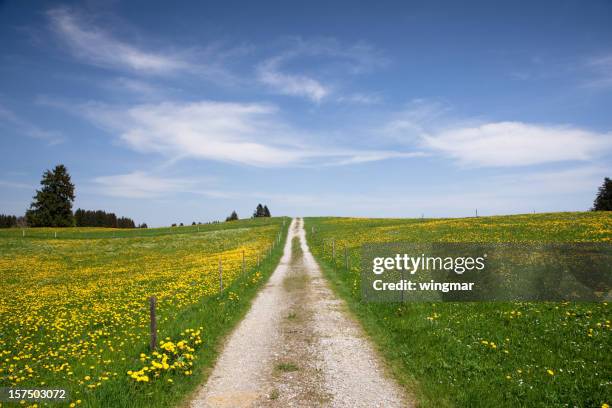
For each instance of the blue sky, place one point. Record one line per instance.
(169, 113)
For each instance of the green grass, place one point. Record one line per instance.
(105, 233)
(296, 249)
(438, 350)
(81, 299)
(287, 367)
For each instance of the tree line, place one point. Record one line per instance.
(7, 221)
(52, 207)
(99, 218)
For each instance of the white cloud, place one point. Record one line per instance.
(475, 142)
(140, 184)
(360, 98)
(10, 120)
(358, 58)
(332, 57)
(413, 121)
(14, 184)
(98, 47)
(134, 86)
(601, 67)
(501, 144)
(242, 133)
(289, 84)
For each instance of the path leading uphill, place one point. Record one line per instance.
(298, 347)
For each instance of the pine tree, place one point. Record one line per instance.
(233, 217)
(266, 212)
(603, 201)
(52, 205)
(7, 221)
(259, 211)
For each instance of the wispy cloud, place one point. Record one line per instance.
(14, 184)
(357, 58)
(98, 47)
(251, 134)
(360, 98)
(135, 86)
(476, 142)
(139, 184)
(601, 69)
(10, 120)
(501, 144)
(337, 59)
(290, 84)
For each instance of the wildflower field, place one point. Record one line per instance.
(480, 354)
(74, 309)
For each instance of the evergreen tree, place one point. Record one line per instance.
(603, 201)
(7, 221)
(79, 217)
(52, 205)
(266, 212)
(233, 217)
(259, 211)
(99, 218)
(125, 222)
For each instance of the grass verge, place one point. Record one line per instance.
(218, 315)
(479, 354)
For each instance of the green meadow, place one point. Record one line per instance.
(486, 354)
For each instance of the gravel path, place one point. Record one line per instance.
(298, 347)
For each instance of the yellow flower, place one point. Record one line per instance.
(550, 372)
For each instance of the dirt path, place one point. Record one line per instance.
(298, 347)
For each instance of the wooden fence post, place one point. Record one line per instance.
(152, 304)
(220, 275)
(346, 263)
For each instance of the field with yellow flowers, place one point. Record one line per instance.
(74, 311)
(480, 354)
